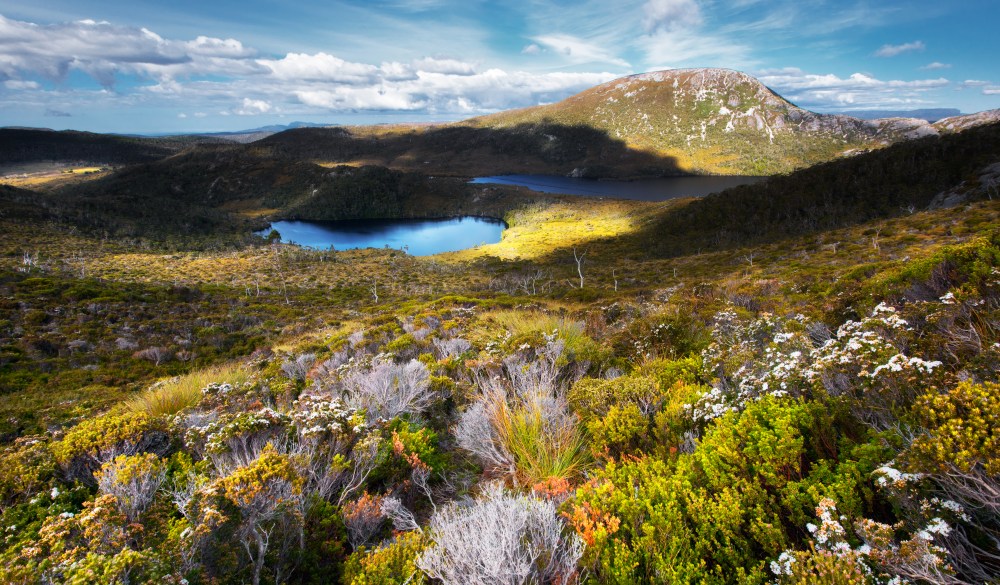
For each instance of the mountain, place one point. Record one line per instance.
(701, 121)
(961, 123)
(715, 121)
(685, 121)
(930, 115)
(255, 134)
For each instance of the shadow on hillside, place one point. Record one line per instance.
(26, 145)
(894, 181)
(543, 148)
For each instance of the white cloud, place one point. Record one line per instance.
(694, 49)
(973, 83)
(103, 51)
(446, 66)
(991, 90)
(320, 67)
(857, 91)
(894, 50)
(182, 115)
(577, 50)
(224, 77)
(936, 65)
(253, 107)
(671, 14)
(18, 84)
(532, 49)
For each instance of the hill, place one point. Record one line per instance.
(700, 121)
(27, 145)
(934, 171)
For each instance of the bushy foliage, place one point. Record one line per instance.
(392, 563)
(713, 515)
(87, 445)
(520, 422)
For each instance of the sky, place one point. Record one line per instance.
(146, 66)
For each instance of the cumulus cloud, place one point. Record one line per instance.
(225, 77)
(858, 90)
(973, 83)
(103, 51)
(320, 67)
(253, 107)
(894, 50)
(936, 65)
(671, 14)
(445, 66)
(577, 50)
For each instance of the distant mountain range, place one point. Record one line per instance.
(700, 121)
(930, 115)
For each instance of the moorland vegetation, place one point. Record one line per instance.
(791, 382)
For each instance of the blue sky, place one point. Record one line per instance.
(212, 65)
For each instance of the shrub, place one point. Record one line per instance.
(500, 538)
(961, 430)
(393, 563)
(101, 439)
(521, 424)
(133, 481)
(715, 515)
(387, 390)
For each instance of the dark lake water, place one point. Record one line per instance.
(642, 190)
(420, 237)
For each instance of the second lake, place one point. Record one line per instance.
(641, 190)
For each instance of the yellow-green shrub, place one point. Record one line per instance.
(392, 564)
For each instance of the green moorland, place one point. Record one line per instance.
(793, 382)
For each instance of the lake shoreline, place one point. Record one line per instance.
(652, 190)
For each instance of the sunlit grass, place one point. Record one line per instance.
(171, 396)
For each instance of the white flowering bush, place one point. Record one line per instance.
(865, 360)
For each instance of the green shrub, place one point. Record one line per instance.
(391, 564)
(718, 514)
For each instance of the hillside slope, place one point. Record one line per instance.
(932, 172)
(713, 121)
(25, 145)
(699, 121)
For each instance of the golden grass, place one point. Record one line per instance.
(539, 231)
(53, 178)
(170, 396)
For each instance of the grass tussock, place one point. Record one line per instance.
(170, 396)
(544, 447)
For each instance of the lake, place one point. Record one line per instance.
(641, 190)
(419, 237)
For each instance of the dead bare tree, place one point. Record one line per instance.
(579, 264)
